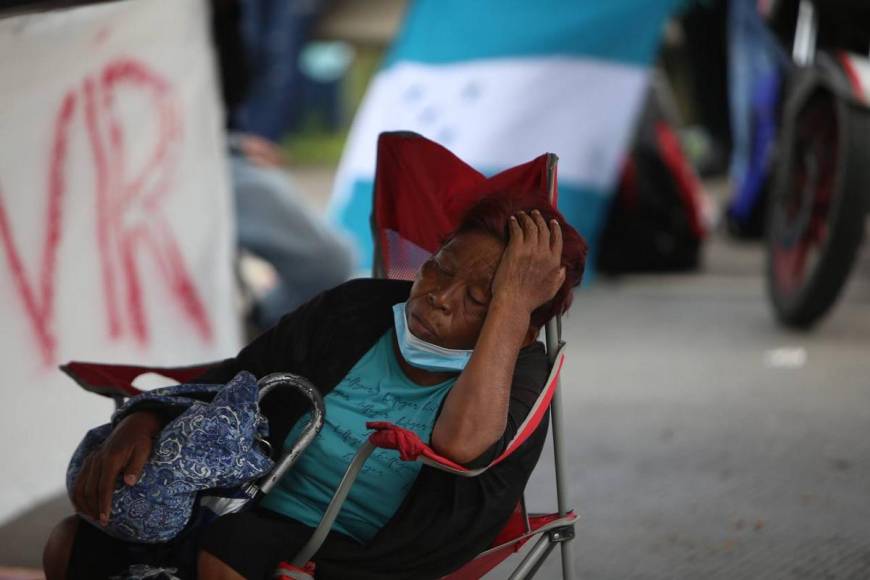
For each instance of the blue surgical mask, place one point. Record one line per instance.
(425, 355)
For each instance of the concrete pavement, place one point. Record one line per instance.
(704, 442)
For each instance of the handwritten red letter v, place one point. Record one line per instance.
(40, 308)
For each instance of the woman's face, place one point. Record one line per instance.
(451, 294)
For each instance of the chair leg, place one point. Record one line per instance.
(542, 548)
(554, 340)
(533, 560)
(561, 479)
(567, 560)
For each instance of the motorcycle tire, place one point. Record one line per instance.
(818, 200)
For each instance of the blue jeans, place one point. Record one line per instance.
(274, 32)
(753, 55)
(274, 224)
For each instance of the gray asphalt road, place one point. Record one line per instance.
(704, 442)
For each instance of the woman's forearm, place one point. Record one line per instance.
(475, 411)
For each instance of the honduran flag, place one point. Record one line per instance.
(499, 82)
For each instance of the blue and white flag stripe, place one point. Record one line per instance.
(499, 83)
(451, 31)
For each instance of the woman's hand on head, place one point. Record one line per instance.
(530, 272)
(124, 452)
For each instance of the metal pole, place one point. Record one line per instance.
(533, 559)
(553, 342)
(561, 480)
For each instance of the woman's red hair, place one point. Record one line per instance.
(491, 215)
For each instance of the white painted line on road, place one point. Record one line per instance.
(788, 357)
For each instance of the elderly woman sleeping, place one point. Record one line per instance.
(453, 357)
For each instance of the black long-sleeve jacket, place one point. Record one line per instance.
(446, 519)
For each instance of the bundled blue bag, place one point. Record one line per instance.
(201, 465)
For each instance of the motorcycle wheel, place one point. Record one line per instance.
(817, 207)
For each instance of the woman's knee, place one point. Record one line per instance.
(211, 567)
(58, 548)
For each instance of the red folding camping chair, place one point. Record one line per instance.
(421, 192)
(416, 177)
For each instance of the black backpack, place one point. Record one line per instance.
(654, 224)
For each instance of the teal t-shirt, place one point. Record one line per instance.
(375, 389)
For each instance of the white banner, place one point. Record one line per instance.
(116, 238)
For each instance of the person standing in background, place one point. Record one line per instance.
(273, 221)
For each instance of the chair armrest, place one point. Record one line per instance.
(111, 380)
(100, 379)
(412, 448)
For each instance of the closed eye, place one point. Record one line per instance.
(475, 300)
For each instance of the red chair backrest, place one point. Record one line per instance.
(422, 190)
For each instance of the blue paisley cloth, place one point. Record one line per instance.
(208, 446)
